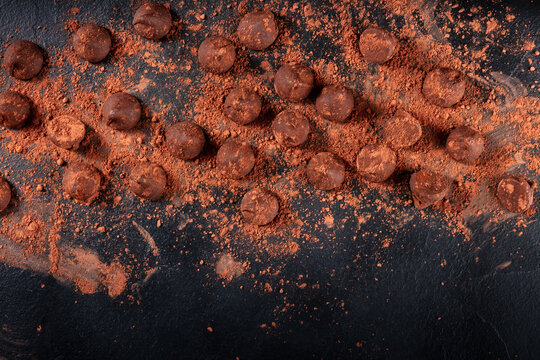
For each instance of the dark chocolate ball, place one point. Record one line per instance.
(290, 128)
(5, 194)
(121, 111)
(242, 105)
(325, 171)
(465, 144)
(377, 45)
(294, 82)
(515, 194)
(217, 54)
(401, 130)
(185, 140)
(258, 29)
(66, 132)
(428, 187)
(148, 181)
(152, 20)
(444, 87)
(335, 103)
(376, 162)
(92, 42)
(235, 159)
(15, 109)
(259, 206)
(82, 182)
(23, 59)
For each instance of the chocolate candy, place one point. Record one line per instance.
(335, 103)
(377, 45)
(92, 42)
(121, 111)
(326, 171)
(66, 132)
(152, 20)
(465, 144)
(82, 182)
(5, 194)
(290, 128)
(15, 109)
(242, 105)
(258, 29)
(294, 82)
(185, 140)
(23, 59)
(428, 187)
(444, 87)
(148, 181)
(515, 194)
(376, 162)
(235, 159)
(401, 130)
(217, 54)
(259, 206)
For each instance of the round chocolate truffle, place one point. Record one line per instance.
(185, 140)
(92, 42)
(376, 162)
(121, 111)
(82, 182)
(23, 59)
(428, 187)
(148, 181)
(290, 128)
(217, 54)
(152, 20)
(465, 144)
(515, 194)
(5, 194)
(258, 29)
(66, 132)
(242, 105)
(294, 82)
(444, 87)
(259, 206)
(377, 45)
(326, 171)
(335, 103)
(401, 130)
(235, 159)
(15, 109)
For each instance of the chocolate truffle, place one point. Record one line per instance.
(82, 182)
(290, 128)
(444, 87)
(121, 111)
(325, 171)
(465, 144)
(15, 109)
(515, 194)
(242, 105)
(235, 159)
(5, 194)
(377, 45)
(259, 206)
(23, 59)
(66, 132)
(428, 187)
(294, 82)
(376, 162)
(258, 29)
(401, 130)
(185, 140)
(92, 42)
(335, 103)
(152, 20)
(148, 181)
(217, 54)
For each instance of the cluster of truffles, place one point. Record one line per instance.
(293, 82)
